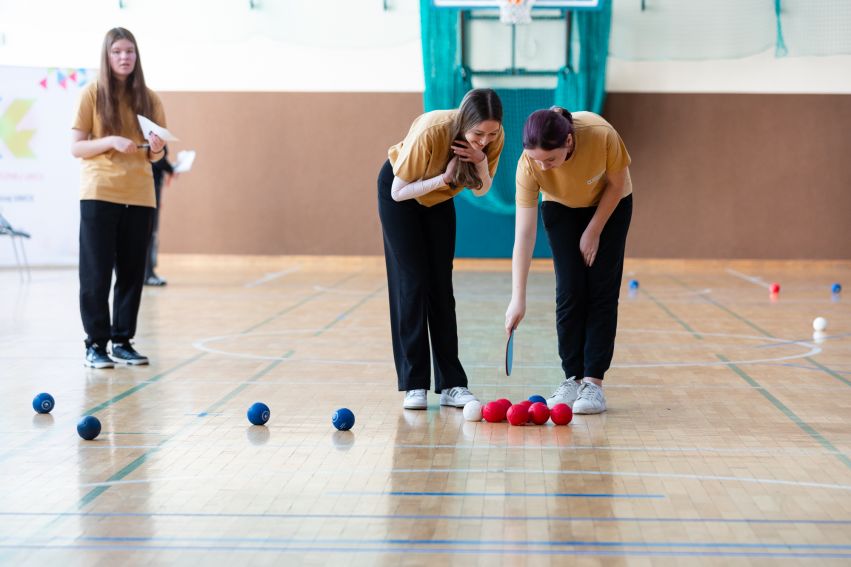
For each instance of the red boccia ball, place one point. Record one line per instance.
(493, 412)
(539, 413)
(561, 414)
(505, 403)
(518, 414)
(774, 288)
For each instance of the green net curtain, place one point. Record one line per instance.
(582, 84)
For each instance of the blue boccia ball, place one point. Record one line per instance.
(633, 284)
(537, 398)
(89, 427)
(43, 403)
(836, 288)
(343, 419)
(258, 413)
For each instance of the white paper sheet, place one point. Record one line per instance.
(184, 162)
(149, 126)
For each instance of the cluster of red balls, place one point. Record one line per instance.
(526, 412)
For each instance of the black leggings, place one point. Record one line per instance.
(419, 247)
(112, 237)
(586, 298)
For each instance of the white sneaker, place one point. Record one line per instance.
(565, 393)
(415, 399)
(590, 399)
(456, 397)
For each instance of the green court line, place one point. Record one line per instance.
(300, 303)
(744, 320)
(343, 315)
(752, 325)
(829, 371)
(89, 497)
(807, 428)
(141, 386)
(672, 315)
(777, 403)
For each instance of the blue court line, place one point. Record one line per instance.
(501, 494)
(456, 517)
(427, 551)
(426, 542)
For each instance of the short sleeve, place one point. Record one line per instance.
(413, 158)
(84, 120)
(617, 157)
(528, 188)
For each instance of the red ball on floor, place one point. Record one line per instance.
(493, 412)
(518, 414)
(561, 414)
(539, 413)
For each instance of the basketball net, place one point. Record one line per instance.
(515, 11)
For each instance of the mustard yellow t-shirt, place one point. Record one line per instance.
(113, 176)
(424, 153)
(580, 180)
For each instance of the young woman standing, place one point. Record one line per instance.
(117, 200)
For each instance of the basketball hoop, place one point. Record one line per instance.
(515, 11)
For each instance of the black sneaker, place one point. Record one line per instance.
(96, 357)
(155, 280)
(124, 353)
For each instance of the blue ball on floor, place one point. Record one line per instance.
(836, 288)
(89, 427)
(537, 398)
(633, 284)
(258, 413)
(43, 403)
(343, 419)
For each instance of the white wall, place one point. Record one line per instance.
(331, 45)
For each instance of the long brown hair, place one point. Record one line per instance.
(111, 94)
(477, 106)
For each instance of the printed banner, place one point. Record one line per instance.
(39, 179)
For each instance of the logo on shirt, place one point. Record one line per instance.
(596, 178)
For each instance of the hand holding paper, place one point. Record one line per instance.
(149, 127)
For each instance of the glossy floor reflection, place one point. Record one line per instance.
(727, 440)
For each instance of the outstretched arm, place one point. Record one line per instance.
(525, 231)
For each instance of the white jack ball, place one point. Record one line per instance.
(819, 324)
(473, 411)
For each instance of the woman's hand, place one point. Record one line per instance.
(466, 152)
(123, 145)
(449, 174)
(515, 313)
(157, 143)
(589, 244)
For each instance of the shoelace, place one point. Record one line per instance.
(459, 391)
(414, 393)
(563, 388)
(587, 391)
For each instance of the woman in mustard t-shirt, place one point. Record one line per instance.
(581, 167)
(444, 152)
(117, 199)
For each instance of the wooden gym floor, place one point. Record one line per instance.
(727, 440)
